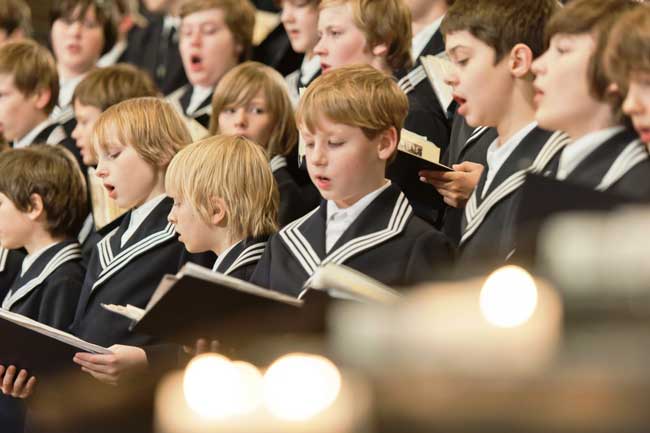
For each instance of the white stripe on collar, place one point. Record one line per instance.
(633, 154)
(114, 264)
(409, 82)
(309, 260)
(69, 253)
(476, 133)
(251, 254)
(221, 257)
(32, 134)
(277, 162)
(475, 215)
(4, 253)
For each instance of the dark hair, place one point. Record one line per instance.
(53, 173)
(73, 10)
(502, 24)
(15, 14)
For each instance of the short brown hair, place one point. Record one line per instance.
(383, 22)
(74, 10)
(32, 67)
(239, 16)
(150, 125)
(14, 15)
(628, 48)
(107, 86)
(502, 24)
(355, 95)
(240, 85)
(53, 173)
(234, 169)
(596, 18)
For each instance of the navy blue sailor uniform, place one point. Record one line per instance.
(489, 219)
(49, 289)
(427, 118)
(53, 132)
(127, 274)
(181, 98)
(10, 266)
(620, 165)
(47, 292)
(386, 241)
(294, 203)
(472, 149)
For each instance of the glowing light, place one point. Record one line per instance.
(299, 386)
(216, 388)
(508, 297)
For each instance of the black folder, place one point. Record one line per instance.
(35, 348)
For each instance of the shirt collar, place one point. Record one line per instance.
(576, 152)
(113, 55)
(422, 38)
(223, 255)
(199, 94)
(66, 90)
(29, 259)
(31, 135)
(308, 69)
(333, 210)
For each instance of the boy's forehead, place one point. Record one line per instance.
(213, 15)
(337, 13)
(463, 40)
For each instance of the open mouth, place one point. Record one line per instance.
(325, 67)
(459, 100)
(322, 181)
(111, 189)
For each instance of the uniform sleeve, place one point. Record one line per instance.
(59, 301)
(431, 258)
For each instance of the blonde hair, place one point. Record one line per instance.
(234, 169)
(103, 87)
(239, 16)
(32, 67)
(240, 85)
(355, 95)
(150, 125)
(383, 22)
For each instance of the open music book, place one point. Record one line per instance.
(198, 302)
(437, 69)
(36, 347)
(426, 152)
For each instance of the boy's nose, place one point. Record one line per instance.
(286, 16)
(320, 48)
(241, 119)
(171, 217)
(631, 104)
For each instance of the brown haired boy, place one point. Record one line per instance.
(42, 206)
(364, 221)
(15, 20)
(29, 87)
(605, 154)
(208, 27)
(493, 44)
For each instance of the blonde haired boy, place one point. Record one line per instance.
(225, 201)
(378, 33)
(350, 120)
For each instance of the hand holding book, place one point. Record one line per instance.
(455, 186)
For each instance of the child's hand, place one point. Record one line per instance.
(112, 367)
(16, 384)
(455, 186)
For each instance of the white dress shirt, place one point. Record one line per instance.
(138, 215)
(422, 38)
(339, 219)
(199, 94)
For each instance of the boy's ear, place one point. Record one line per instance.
(521, 60)
(220, 211)
(387, 143)
(380, 50)
(36, 207)
(42, 97)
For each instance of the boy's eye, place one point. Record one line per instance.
(90, 24)
(334, 143)
(309, 144)
(257, 110)
(114, 155)
(229, 110)
(209, 29)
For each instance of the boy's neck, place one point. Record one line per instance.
(41, 239)
(437, 9)
(225, 241)
(519, 113)
(597, 120)
(38, 118)
(351, 201)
